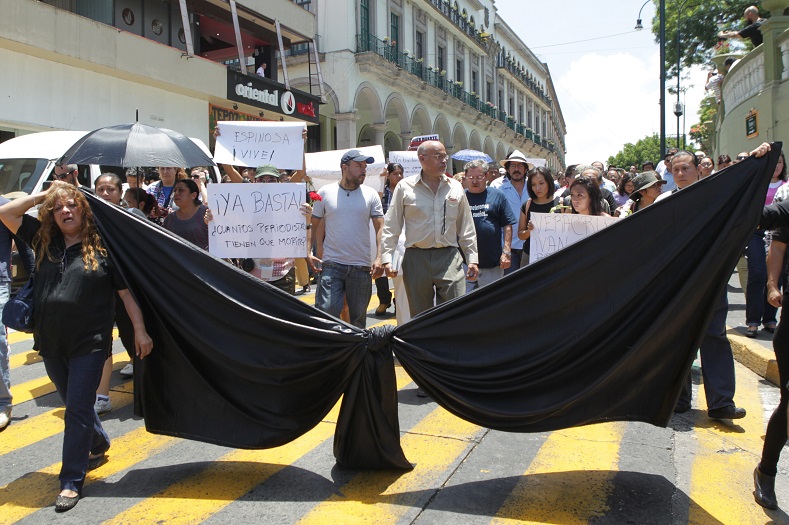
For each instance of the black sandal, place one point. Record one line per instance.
(751, 332)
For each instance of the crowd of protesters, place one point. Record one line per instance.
(436, 236)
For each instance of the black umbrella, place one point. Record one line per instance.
(132, 145)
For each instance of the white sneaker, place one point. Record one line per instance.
(102, 405)
(127, 371)
(5, 419)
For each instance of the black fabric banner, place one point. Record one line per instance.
(604, 330)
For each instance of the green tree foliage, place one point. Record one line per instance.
(645, 150)
(698, 30)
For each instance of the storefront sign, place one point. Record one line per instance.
(271, 96)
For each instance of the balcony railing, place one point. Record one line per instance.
(443, 7)
(366, 42)
(524, 77)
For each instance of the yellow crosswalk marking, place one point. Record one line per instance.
(28, 431)
(374, 497)
(194, 499)
(36, 490)
(560, 499)
(17, 337)
(722, 474)
(42, 386)
(27, 358)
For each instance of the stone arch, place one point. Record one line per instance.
(396, 114)
(490, 148)
(441, 126)
(474, 140)
(420, 121)
(366, 136)
(368, 104)
(459, 138)
(392, 142)
(501, 151)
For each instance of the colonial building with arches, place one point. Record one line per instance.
(395, 69)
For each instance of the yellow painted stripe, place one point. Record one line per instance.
(42, 386)
(29, 493)
(375, 497)
(17, 337)
(558, 499)
(196, 498)
(721, 483)
(31, 430)
(24, 359)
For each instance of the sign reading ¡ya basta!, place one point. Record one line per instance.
(257, 143)
(257, 220)
(554, 231)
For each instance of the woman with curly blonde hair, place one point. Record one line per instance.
(74, 290)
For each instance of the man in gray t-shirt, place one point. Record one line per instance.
(341, 221)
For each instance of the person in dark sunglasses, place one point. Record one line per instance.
(67, 173)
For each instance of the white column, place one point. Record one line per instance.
(346, 129)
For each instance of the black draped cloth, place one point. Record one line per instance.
(604, 330)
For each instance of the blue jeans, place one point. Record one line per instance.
(341, 281)
(5, 374)
(76, 380)
(757, 309)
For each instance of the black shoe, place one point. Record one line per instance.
(729, 412)
(681, 409)
(95, 462)
(64, 503)
(764, 489)
(751, 332)
(421, 393)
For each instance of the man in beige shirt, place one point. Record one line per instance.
(437, 219)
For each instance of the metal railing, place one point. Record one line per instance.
(457, 19)
(366, 42)
(524, 77)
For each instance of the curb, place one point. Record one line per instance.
(754, 356)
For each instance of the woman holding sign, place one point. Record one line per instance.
(586, 198)
(541, 188)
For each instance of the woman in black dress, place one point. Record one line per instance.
(541, 188)
(74, 291)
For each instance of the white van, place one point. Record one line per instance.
(27, 163)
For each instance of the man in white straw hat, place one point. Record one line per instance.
(514, 188)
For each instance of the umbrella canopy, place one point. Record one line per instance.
(467, 155)
(132, 145)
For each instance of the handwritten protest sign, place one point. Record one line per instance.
(257, 220)
(324, 167)
(408, 159)
(554, 231)
(257, 143)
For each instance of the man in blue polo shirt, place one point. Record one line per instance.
(492, 219)
(514, 188)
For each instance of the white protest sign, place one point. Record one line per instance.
(408, 159)
(257, 220)
(323, 167)
(537, 162)
(554, 231)
(256, 143)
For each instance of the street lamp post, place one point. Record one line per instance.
(662, 38)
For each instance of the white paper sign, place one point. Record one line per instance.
(257, 143)
(324, 167)
(408, 159)
(554, 231)
(257, 220)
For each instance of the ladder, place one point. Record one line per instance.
(314, 63)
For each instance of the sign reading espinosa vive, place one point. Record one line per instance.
(268, 95)
(554, 231)
(257, 143)
(257, 220)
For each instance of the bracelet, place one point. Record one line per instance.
(308, 227)
(34, 199)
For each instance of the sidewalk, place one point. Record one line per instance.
(757, 354)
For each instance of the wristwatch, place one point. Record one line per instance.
(506, 252)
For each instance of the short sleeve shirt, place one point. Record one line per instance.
(74, 308)
(491, 213)
(754, 32)
(782, 235)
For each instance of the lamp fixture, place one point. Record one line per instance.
(261, 113)
(638, 27)
(235, 106)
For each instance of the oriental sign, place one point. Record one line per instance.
(271, 96)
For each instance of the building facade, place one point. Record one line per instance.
(395, 69)
(84, 64)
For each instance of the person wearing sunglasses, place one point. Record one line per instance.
(200, 176)
(67, 173)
